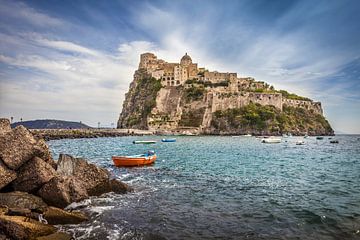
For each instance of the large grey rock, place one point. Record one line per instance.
(21, 228)
(33, 175)
(17, 147)
(58, 216)
(119, 187)
(93, 178)
(22, 200)
(4, 125)
(6, 175)
(62, 190)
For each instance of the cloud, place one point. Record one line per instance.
(70, 79)
(21, 11)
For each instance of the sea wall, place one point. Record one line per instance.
(222, 100)
(308, 105)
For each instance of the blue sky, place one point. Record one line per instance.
(74, 60)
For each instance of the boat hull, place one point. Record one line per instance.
(121, 161)
(143, 142)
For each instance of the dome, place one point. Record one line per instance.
(186, 60)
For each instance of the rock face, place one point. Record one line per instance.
(92, 178)
(6, 175)
(61, 191)
(58, 216)
(22, 200)
(189, 103)
(33, 175)
(20, 228)
(17, 147)
(4, 125)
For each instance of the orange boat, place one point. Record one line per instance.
(135, 160)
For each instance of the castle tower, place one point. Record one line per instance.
(185, 60)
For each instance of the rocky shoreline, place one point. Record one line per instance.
(35, 189)
(55, 134)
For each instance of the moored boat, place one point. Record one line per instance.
(135, 160)
(168, 140)
(300, 143)
(319, 137)
(271, 140)
(144, 142)
(334, 141)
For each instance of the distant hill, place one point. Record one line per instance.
(50, 124)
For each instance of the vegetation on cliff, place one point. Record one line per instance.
(139, 103)
(194, 93)
(258, 119)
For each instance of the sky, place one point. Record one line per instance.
(74, 60)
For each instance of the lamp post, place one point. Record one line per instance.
(99, 125)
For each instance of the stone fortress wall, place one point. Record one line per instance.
(237, 92)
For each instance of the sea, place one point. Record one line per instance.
(224, 187)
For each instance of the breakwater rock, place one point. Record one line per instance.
(34, 188)
(54, 134)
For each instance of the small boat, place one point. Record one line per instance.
(319, 137)
(334, 141)
(168, 140)
(143, 142)
(306, 136)
(246, 135)
(271, 140)
(135, 160)
(300, 143)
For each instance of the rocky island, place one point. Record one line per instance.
(182, 98)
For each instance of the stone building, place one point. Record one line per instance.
(227, 89)
(171, 74)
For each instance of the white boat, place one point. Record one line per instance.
(271, 140)
(300, 143)
(247, 135)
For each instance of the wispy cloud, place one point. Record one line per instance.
(20, 11)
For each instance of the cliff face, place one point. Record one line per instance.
(230, 106)
(139, 101)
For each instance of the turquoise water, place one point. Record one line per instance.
(225, 188)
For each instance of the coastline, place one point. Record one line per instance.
(56, 134)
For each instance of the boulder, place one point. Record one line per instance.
(58, 216)
(42, 151)
(33, 175)
(62, 190)
(119, 187)
(4, 125)
(6, 175)
(22, 200)
(56, 236)
(23, 212)
(23, 228)
(16, 147)
(93, 178)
